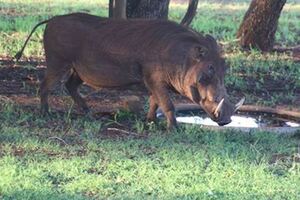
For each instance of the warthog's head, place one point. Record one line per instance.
(204, 81)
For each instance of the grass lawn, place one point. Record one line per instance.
(190, 163)
(69, 157)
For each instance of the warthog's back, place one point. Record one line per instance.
(64, 35)
(110, 53)
(67, 35)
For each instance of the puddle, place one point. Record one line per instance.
(247, 120)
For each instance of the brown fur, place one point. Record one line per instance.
(112, 53)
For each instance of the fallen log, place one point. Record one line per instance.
(249, 108)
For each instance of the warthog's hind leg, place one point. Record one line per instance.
(72, 85)
(52, 77)
(151, 116)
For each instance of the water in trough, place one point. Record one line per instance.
(241, 119)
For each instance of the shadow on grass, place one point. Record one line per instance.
(77, 136)
(86, 165)
(56, 195)
(41, 195)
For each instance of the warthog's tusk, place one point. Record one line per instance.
(216, 113)
(239, 104)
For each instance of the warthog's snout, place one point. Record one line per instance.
(224, 110)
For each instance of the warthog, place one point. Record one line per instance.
(111, 53)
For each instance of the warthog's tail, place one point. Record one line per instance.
(19, 54)
(190, 14)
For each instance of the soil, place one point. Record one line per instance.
(20, 84)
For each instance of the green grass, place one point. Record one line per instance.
(66, 157)
(189, 163)
(17, 18)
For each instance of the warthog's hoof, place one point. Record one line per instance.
(44, 112)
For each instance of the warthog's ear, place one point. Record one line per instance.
(210, 38)
(199, 52)
(212, 42)
(195, 94)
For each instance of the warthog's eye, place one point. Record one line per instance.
(211, 71)
(204, 79)
(199, 53)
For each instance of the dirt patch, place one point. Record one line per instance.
(20, 84)
(285, 158)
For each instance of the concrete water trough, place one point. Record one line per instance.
(248, 118)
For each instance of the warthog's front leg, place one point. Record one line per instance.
(165, 103)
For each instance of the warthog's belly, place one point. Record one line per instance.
(109, 75)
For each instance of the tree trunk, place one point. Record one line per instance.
(260, 23)
(117, 9)
(149, 9)
(111, 8)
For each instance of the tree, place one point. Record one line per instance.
(260, 23)
(149, 9)
(117, 9)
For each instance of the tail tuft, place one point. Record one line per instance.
(19, 54)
